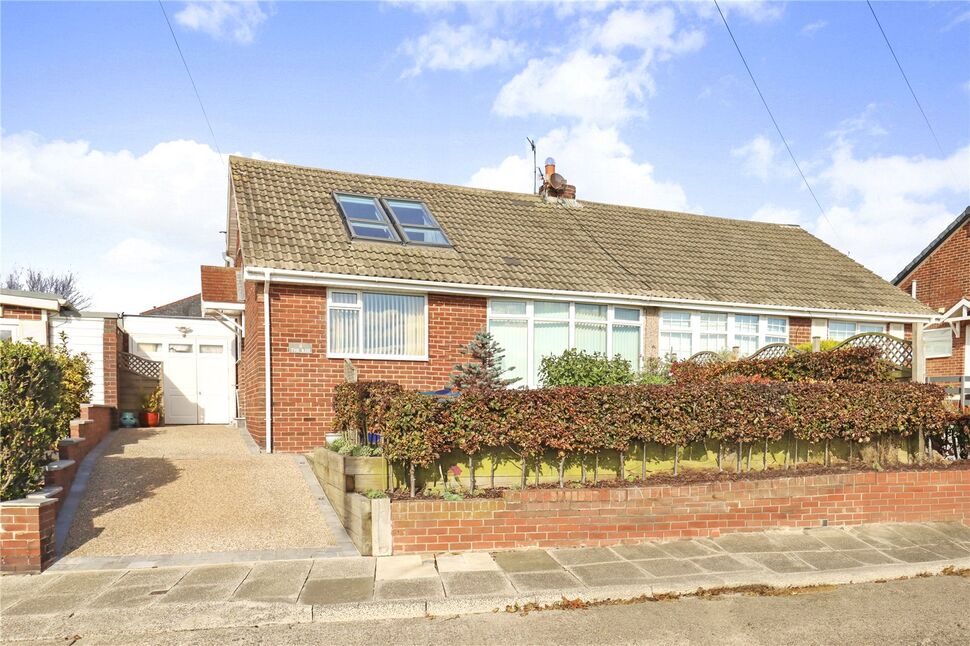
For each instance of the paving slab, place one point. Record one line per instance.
(88, 583)
(548, 580)
(953, 531)
(668, 567)
(947, 549)
(721, 563)
(463, 584)
(870, 557)
(280, 582)
(329, 591)
(46, 604)
(584, 555)
(747, 543)
(216, 574)
(828, 560)
(202, 593)
(405, 566)
(132, 596)
(780, 562)
(880, 536)
(467, 562)
(526, 561)
(911, 554)
(918, 533)
(619, 573)
(685, 549)
(343, 568)
(640, 552)
(411, 588)
(797, 542)
(838, 540)
(160, 579)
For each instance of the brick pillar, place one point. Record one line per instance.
(110, 351)
(27, 534)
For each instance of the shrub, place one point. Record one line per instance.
(850, 364)
(579, 368)
(577, 421)
(41, 391)
(484, 371)
(361, 406)
(824, 346)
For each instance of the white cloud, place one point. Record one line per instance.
(758, 159)
(224, 19)
(593, 159)
(886, 208)
(653, 32)
(752, 10)
(135, 227)
(777, 214)
(464, 48)
(597, 88)
(812, 27)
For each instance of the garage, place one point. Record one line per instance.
(198, 359)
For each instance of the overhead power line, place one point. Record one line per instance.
(772, 117)
(906, 78)
(195, 88)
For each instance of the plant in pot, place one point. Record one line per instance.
(152, 408)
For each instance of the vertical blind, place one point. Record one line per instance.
(377, 324)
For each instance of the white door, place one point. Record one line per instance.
(197, 377)
(212, 378)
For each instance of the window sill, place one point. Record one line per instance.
(377, 357)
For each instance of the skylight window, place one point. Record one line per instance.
(366, 218)
(416, 222)
(390, 220)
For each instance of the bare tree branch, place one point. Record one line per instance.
(64, 284)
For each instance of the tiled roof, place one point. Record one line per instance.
(190, 306)
(288, 220)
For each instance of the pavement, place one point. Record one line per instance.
(183, 491)
(55, 605)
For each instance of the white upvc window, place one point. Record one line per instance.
(938, 344)
(377, 325)
(684, 333)
(528, 331)
(842, 330)
(9, 330)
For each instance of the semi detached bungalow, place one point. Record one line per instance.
(328, 270)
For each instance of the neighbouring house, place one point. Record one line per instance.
(45, 317)
(939, 276)
(336, 274)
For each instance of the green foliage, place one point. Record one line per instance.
(825, 346)
(41, 391)
(655, 371)
(585, 420)
(579, 368)
(452, 496)
(850, 364)
(337, 445)
(365, 451)
(360, 407)
(484, 371)
(151, 402)
(375, 493)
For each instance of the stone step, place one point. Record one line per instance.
(52, 491)
(59, 465)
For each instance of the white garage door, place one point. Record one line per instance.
(197, 385)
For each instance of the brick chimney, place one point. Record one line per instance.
(554, 185)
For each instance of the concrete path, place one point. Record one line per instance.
(193, 494)
(337, 589)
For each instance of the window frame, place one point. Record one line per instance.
(359, 307)
(694, 328)
(382, 209)
(14, 326)
(531, 318)
(385, 201)
(855, 327)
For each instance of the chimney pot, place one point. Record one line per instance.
(550, 167)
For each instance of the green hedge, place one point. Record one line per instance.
(849, 364)
(41, 391)
(417, 429)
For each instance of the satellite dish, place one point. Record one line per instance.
(557, 181)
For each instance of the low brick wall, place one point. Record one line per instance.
(603, 517)
(27, 534)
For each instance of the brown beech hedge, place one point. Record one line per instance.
(846, 364)
(416, 429)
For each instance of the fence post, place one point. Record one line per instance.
(919, 376)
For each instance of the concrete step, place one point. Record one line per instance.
(47, 492)
(59, 465)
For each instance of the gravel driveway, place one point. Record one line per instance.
(193, 489)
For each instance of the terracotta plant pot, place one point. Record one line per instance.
(151, 420)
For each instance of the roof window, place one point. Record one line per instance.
(390, 220)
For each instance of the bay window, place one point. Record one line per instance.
(375, 325)
(684, 333)
(528, 331)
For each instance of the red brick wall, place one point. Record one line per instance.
(27, 536)
(110, 352)
(21, 313)
(252, 400)
(303, 384)
(602, 517)
(941, 281)
(799, 330)
(219, 284)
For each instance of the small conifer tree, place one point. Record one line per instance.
(484, 371)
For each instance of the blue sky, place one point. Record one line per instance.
(108, 168)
